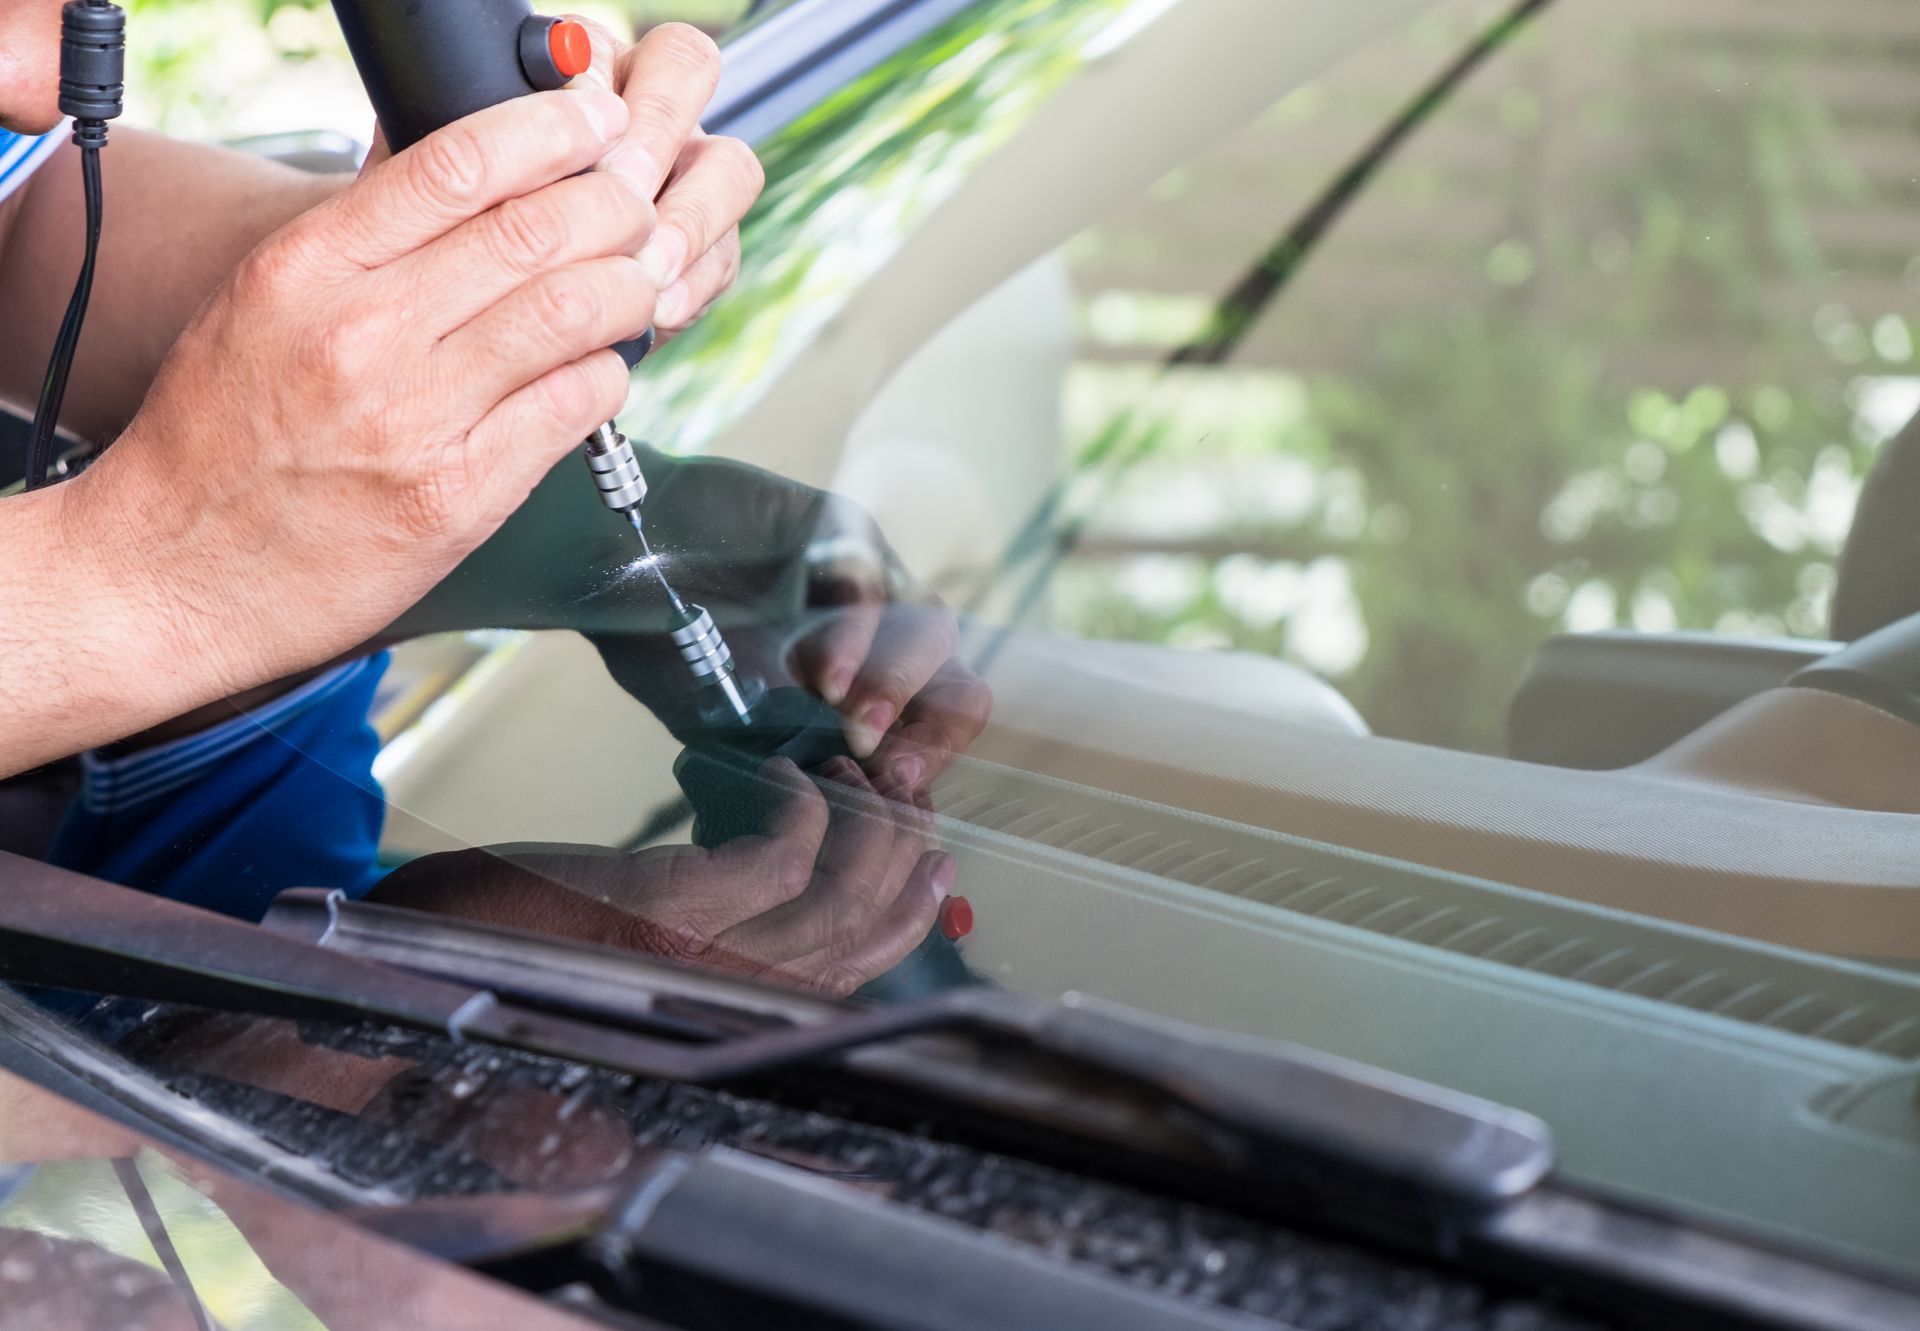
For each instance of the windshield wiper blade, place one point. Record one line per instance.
(1277, 1116)
(722, 1237)
(1266, 1106)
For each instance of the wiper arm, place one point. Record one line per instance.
(1276, 1116)
(1265, 1105)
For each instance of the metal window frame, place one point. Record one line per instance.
(784, 63)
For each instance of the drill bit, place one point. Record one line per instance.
(698, 639)
(623, 488)
(651, 563)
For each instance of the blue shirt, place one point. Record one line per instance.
(282, 796)
(19, 157)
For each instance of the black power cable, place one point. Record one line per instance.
(93, 59)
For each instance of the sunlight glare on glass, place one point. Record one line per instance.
(1137, 19)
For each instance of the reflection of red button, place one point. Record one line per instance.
(572, 48)
(956, 918)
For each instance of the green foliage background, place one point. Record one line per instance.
(1533, 450)
(194, 62)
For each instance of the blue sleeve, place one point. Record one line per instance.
(20, 157)
(280, 797)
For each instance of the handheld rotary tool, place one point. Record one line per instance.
(428, 63)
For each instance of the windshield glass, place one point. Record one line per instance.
(1315, 548)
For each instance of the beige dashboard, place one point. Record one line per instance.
(1790, 819)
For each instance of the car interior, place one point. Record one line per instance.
(1788, 778)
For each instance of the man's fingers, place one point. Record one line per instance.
(554, 319)
(858, 867)
(521, 439)
(667, 81)
(714, 183)
(911, 645)
(738, 885)
(800, 816)
(686, 301)
(463, 170)
(856, 858)
(902, 926)
(782, 862)
(584, 217)
(828, 659)
(607, 50)
(940, 724)
(704, 185)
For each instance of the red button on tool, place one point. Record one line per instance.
(571, 46)
(956, 918)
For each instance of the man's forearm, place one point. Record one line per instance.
(90, 650)
(179, 217)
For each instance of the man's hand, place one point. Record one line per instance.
(384, 380)
(701, 184)
(836, 894)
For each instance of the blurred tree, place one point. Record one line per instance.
(205, 68)
(1638, 403)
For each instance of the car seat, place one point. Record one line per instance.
(1879, 578)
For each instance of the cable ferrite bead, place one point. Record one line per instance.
(93, 67)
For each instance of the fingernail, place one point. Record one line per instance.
(833, 689)
(671, 304)
(865, 731)
(607, 112)
(956, 918)
(662, 257)
(909, 770)
(945, 873)
(635, 166)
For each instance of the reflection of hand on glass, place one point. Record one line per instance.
(890, 670)
(808, 592)
(838, 892)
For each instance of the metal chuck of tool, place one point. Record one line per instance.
(723, 695)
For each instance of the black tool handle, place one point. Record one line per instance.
(721, 777)
(428, 63)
